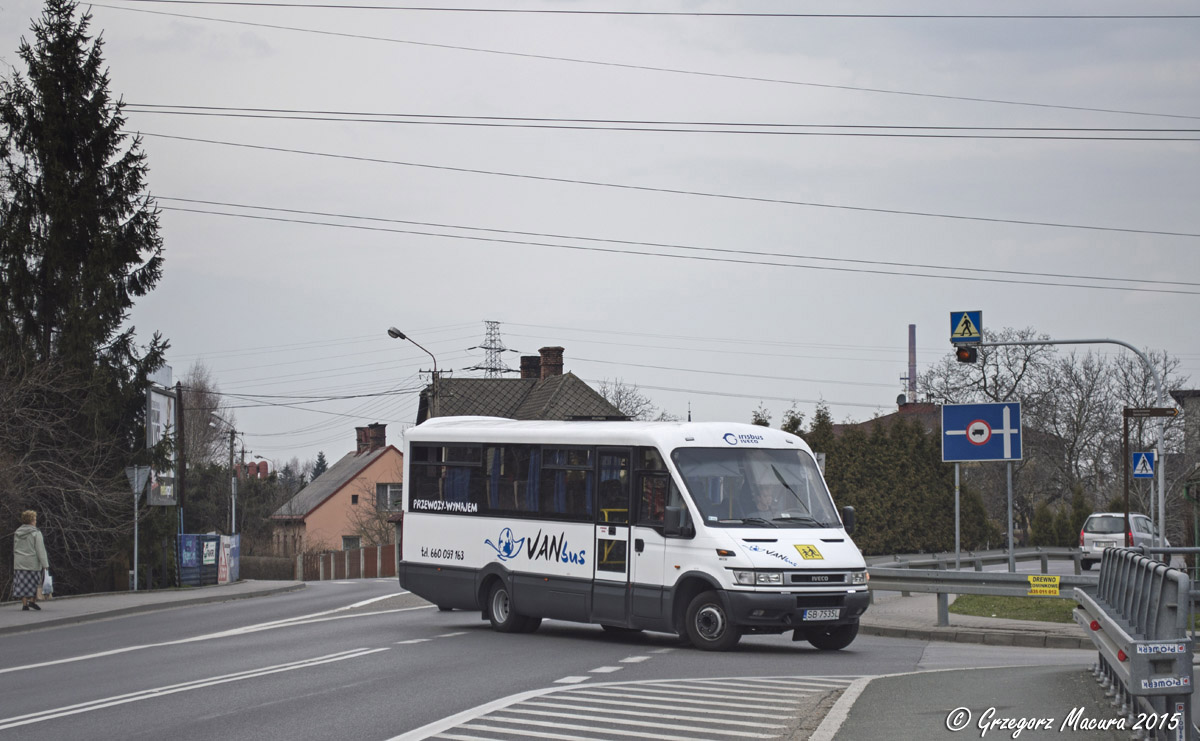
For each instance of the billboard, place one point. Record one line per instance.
(160, 425)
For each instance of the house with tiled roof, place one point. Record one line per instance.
(543, 391)
(349, 505)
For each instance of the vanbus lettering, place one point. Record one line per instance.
(553, 548)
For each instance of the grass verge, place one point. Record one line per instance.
(1047, 609)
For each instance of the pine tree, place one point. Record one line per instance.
(78, 244)
(79, 240)
(320, 466)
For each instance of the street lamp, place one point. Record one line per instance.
(396, 334)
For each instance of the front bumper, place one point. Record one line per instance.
(777, 611)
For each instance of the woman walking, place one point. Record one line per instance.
(29, 560)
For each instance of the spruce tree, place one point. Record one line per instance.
(79, 237)
(79, 243)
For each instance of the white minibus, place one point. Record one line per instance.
(707, 530)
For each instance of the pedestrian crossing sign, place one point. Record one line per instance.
(966, 326)
(1143, 465)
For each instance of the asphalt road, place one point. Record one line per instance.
(362, 660)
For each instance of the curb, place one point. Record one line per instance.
(150, 607)
(986, 637)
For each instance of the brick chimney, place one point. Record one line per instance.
(551, 361)
(531, 366)
(362, 441)
(376, 436)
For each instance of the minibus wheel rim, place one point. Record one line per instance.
(500, 605)
(710, 622)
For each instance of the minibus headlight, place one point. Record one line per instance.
(859, 577)
(769, 577)
(744, 577)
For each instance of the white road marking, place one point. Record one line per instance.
(85, 707)
(413, 640)
(315, 617)
(605, 669)
(571, 680)
(738, 733)
(739, 722)
(451, 635)
(634, 659)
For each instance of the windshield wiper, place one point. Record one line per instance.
(800, 518)
(758, 521)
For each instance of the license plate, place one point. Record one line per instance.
(833, 614)
(1106, 544)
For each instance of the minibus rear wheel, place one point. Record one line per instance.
(708, 625)
(502, 614)
(832, 639)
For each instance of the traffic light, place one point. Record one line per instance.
(966, 353)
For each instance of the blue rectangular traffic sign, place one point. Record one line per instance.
(966, 326)
(1143, 465)
(981, 432)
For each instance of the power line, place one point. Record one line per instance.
(671, 191)
(677, 13)
(671, 245)
(647, 68)
(644, 253)
(738, 374)
(1030, 133)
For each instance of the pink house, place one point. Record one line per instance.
(350, 505)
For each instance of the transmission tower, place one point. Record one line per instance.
(493, 365)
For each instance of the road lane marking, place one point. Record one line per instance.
(605, 669)
(316, 617)
(737, 733)
(634, 659)
(652, 706)
(413, 640)
(451, 635)
(686, 698)
(572, 727)
(739, 722)
(571, 680)
(108, 702)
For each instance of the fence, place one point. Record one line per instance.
(375, 562)
(1139, 618)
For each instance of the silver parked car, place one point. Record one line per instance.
(1107, 530)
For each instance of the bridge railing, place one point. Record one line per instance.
(1138, 617)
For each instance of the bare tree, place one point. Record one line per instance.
(370, 518)
(631, 402)
(206, 419)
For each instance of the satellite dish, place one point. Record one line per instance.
(901, 400)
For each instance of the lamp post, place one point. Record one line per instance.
(396, 334)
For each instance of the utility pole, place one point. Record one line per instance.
(232, 483)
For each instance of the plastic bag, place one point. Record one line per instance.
(48, 584)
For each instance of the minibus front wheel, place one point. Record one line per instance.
(708, 625)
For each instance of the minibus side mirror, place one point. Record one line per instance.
(848, 520)
(674, 521)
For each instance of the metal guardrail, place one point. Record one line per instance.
(1138, 618)
(981, 558)
(943, 582)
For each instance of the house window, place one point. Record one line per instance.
(389, 497)
(353, 499)
(351, 542)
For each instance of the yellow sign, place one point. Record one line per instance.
(1042, 585)
(810, 553)
(966, 329)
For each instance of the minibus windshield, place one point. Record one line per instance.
(748, 487)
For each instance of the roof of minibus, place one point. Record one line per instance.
(664, 435)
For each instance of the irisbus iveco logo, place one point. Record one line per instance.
(733, 439)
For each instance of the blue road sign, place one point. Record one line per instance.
(1143, 465)
(966, 326)
(981, 432)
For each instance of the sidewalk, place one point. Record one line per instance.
(83, 608)
(916, 617)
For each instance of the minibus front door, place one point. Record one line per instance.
(610, 587)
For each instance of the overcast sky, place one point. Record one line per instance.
(591, 225)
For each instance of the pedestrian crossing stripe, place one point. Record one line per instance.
(966, 329)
